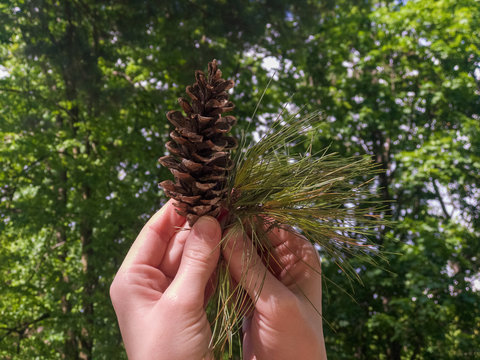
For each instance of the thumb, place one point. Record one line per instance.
(199, 260)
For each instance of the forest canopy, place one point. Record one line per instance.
(84, 88)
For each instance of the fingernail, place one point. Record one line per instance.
(207, 227)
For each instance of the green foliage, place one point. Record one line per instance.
(84, 86)
(321, 194)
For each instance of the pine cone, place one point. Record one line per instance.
(199, 151)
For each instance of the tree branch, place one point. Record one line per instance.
(440, 199)
(20, 329)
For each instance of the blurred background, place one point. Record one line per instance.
(84, 88)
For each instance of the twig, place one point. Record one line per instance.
(440, 199)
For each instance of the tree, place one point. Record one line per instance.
(84, 90)
(400, 82)
(84, 86)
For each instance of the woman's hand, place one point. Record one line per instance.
(159, 292)
(286, 322)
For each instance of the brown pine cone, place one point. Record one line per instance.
(199, 151)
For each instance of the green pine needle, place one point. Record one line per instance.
(326, 197)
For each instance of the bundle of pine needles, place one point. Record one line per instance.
(325, 197)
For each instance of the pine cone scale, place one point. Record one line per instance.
(191, 165)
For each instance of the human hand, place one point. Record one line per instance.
(159, 292)
(286, 322)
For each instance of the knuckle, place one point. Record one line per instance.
(184, 303)
(115, 290)
(118, 287)
(312, 260)
(199, 258)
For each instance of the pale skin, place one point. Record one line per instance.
(159, 293)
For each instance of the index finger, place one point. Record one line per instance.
(296, 260)
(152, 241)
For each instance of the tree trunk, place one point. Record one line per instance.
(74, 67)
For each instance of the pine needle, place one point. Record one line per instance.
(324, 196)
